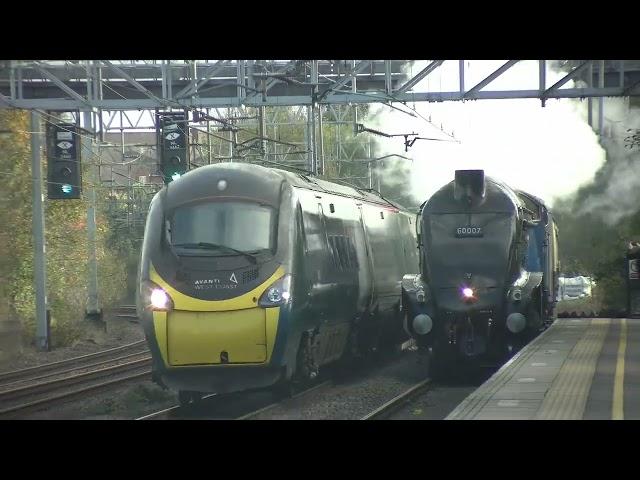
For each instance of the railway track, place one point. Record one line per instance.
(175, 411)
(393, 405)
(34, 388)
(128, 312)
(83, 361)
(383, 412)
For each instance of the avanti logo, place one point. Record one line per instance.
(233, 278)
(206, 281)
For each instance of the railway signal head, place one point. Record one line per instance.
(173, 145)
(64, 174)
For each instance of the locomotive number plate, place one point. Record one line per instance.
(469, 231)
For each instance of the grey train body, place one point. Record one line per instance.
(489, 272)
(344, 252)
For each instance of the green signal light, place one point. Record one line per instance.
(66, 188)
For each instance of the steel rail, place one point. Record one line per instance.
(395, 403)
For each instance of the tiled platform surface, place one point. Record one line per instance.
(576, 369)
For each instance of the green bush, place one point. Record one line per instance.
(65, 237)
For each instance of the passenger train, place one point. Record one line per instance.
(488, 273)
(252, 277)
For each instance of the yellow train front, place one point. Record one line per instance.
(245, 282)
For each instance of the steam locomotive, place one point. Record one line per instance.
(488, 273)
(254, 277)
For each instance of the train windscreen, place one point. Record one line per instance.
(223, 227)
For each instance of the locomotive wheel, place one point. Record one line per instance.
(306, 365)
(306, 370)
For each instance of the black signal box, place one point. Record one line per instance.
(173, 144)
(64, 172)
(633, 280)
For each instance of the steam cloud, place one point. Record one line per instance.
(549, 152)
(615, 193)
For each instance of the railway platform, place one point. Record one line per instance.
(586, 368)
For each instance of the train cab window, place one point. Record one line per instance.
(220, 228)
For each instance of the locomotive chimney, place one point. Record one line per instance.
(469, 186)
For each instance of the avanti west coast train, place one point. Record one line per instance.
(489, 273)
(251, 277)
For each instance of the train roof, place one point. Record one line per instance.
(317, 184)
(264, 181)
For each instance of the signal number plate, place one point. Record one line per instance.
(469, 231)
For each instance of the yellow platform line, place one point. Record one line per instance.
(617, 410)
(567, 397)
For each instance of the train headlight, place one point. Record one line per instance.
(468, 294)
(155, 297)
(278, 293)
(159, 299)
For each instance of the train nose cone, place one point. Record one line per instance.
(516, 322)
(422, 324)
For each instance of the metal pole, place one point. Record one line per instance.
(590, 100)
(39, 261)
(314, 153)
(542, 78)
(601, 101)
(92, 300)
(321, 143)
(209, 136)
(234, 140)
(387, 76)
(309, 142)
(263, 142)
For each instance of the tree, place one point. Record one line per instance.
(66, 242)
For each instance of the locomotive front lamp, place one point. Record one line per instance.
(278, 293)
(274, 295)
(467, 292)
(159, 299)
(155, 297)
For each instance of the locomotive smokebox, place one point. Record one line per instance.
(469, 187)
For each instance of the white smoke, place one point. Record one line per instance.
(618, 190)
(549, 151)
